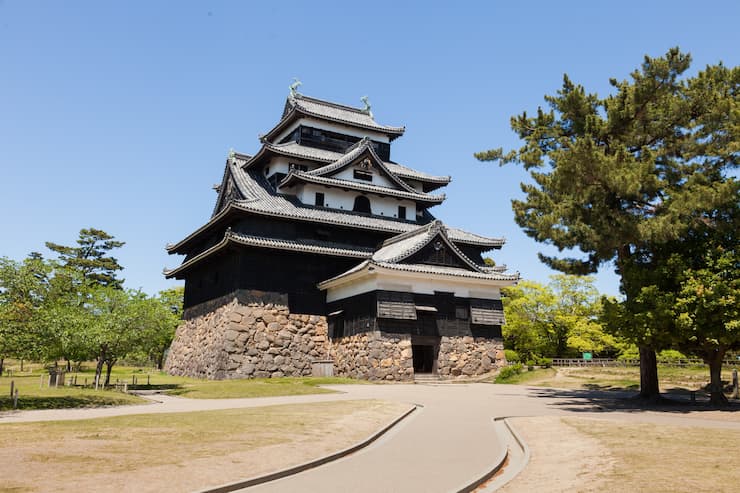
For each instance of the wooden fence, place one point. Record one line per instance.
(634, 362)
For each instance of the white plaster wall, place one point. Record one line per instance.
(419, 284)
(379, 179)
(332, 127)
(339, 199)
(282, 164)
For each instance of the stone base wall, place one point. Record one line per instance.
(254, 339)
(382, 356)
(253, 334)
(374, 356)
(469, 356)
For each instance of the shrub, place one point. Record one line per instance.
(530, 364)
(509, 371)
(670, 356)
(630, 352)
(511, 356)
(544, 362)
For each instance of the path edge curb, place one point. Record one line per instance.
(225, 488)
(498, 464)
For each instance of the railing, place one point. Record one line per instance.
(633, 362)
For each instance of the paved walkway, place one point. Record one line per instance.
(444, 446)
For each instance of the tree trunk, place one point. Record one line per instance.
(69, 365)
(649, 388)
(99, 367)
(109, 366)
(21, 366)
(714, 357)
(2, 365)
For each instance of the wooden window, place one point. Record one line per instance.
(401, 212)
(363, 175)
(362, 204)
(319, 199)
(484, 312)
(396, 305)
(461, 312)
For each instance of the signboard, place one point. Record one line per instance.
(588, 356)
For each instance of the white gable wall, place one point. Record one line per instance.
(419, 284)
(379, 179)
(335, 198)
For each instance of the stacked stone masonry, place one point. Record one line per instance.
(252, 340)
(258, 339)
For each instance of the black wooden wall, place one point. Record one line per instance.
(452, 318)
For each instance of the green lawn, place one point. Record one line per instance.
(33, 396)
(257, 387)
(672, 379)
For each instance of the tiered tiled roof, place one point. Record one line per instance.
(230, 237)
(403, 246)
(396, 250)
(261, 199)
(295, 150)
(325, 110)
(371, 265)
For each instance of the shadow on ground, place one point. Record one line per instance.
(594, 400)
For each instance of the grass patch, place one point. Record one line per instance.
(671, 379)
(257, 387)
(656, 458)
(533, 377)
(139, 451)
(32, 396)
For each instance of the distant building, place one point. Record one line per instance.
(321, 248)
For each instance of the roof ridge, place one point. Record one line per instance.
(361, 186)
(365, 144)
(332, 104)
(408, 234)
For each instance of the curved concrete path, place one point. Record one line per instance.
(445, 446)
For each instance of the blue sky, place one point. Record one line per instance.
(119, 115)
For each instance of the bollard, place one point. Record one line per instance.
(15, 399)
(147, 380)
(12, 386)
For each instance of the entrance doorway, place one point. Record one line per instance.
(425, 356)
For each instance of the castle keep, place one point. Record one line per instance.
(322, 248)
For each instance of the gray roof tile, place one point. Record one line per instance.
(261, 199)
(296, 150)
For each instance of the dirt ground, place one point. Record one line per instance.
(72, 462)
(562, 460)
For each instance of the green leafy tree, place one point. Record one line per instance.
(65, 319)
(613, 176)
(169, 313)
(558, 319)
(91, 257)
(23, 288)
(708, 313)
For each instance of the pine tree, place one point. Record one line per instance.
(616, 177)
(91, 258)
